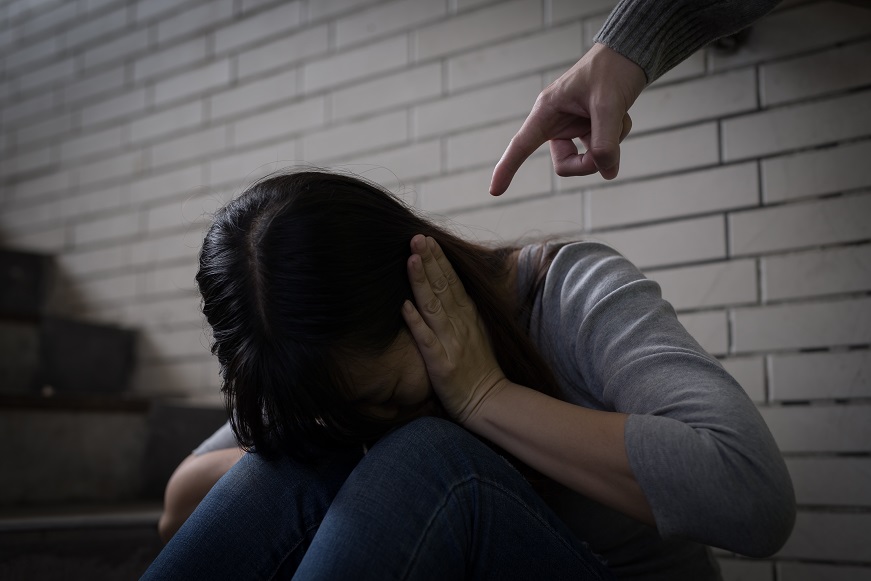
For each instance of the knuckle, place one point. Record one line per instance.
(440, 284)
(433, 306)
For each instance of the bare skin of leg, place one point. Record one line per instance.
(189, 484)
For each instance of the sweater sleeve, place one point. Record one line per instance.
(697, 445)
(658, 34)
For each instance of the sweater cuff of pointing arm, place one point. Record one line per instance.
(658, 34)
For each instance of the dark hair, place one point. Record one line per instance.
(305, 270)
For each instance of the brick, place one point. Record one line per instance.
(95, 27)
(51, 126)
(56, 72)
(194, 19)
(278, 122)
(802, 29)
(49, 19)
(672, 243)
(798, 126)
(388, 92)
(150, 9)
(801, 225)
(708, 285)
(701, 192)
(26, 162)
(592, 26)
(749, 372)
(92, 85)
(165, 122)
(798, 326)
(359, 63)
(697, 100)
(124, 46)
(692, 66)
(22, 217)
(375, 132)
(32, 52)
(113, 108)
(834, 428)
(504, 20)
(88, 262)
(287, 50)
(111, 289)
(494, 103)
(193, 82)
(190, 146)
(125, 165)
(283, 18)
(273, 89)
(817, 172)
(162, 378)
(818, 74)
(831, 481)
(816, 273)
(397, 166)
(710, 329)
(13, 114)
(831, 537)
(191, 212)
(91, 201)
(470, 188)
(50, 241)
(56, 181)
(746, 570)
(174, 344)
(102, 229)
(386, 18)
(808, 376)
(168, 247)
(525, 220)
(173, 279)
(242, 168)
(569, 9)
(324, 8)
(531, 53)
(162, 313)
(166, 185)
(794, 571)
(91, 143)
(483, 146)
(169, 60)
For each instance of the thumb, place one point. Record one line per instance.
(606, 126)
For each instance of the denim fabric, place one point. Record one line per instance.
(429, 501)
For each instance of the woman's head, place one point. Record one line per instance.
(303, 277)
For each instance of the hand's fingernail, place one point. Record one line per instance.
(408, 307)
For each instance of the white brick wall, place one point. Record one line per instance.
(745, 187)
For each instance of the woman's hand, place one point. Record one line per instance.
(449, 333)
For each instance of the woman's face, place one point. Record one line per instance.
(394, 385)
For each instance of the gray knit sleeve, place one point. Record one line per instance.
(659, 34)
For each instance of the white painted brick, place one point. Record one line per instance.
(14, 113)
(190, 146)
(180, 378)
(796, 571)
(749, 372)
(124, 46)
(793, 127)
(167, 185)
(124, 104)
(529, 220)
(91, 201)
(711, 330)
(799, 30)
(93, 261)
(708, 285)
(277, 122)
(355, 64)
(56, 72)
(386, 18)
(242, 168)
(705, 98)
(817, 172)
(323, 8)
(31, 53)
(112, 289)
(836, 428)
(124, 165)
(672, 243)
(348, 138)
(289, 49)
(168, 247)
(121, 226)
(807, 274)
(831, 481)
(797, 326)
(194, 19)
(50, 241)
(272, 89)
(592, 26)
(22, 217)
(95, 27)
(470, 188)
(49, 19)
(250, 30)
(27, 161)
(55, 181)
(388, 92)
(516, 57)
(831, 537)
(504, 20)
(150, 9)
(397, 166)
(746, 570)
(494, 103)
(168, 121)
(692, 66)
(807, 376)
(91, 143)
(174, 344)
(162, 313)
(169, 60)
(51, 126)
(801, 225)
(818, 74)
(192, 212)
(569, 9)
(717, 189)
(193, 82)
(173, 279)
(92, 85)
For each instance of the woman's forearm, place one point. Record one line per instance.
(580, 448)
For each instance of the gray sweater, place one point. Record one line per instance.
(698, 447)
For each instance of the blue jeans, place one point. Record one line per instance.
(429, 501)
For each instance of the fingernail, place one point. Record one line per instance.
(408, 307)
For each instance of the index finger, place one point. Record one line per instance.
(524, 143)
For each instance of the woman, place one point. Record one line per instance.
(335, 338)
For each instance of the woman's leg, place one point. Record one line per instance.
(257, 521)
(430, 501)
